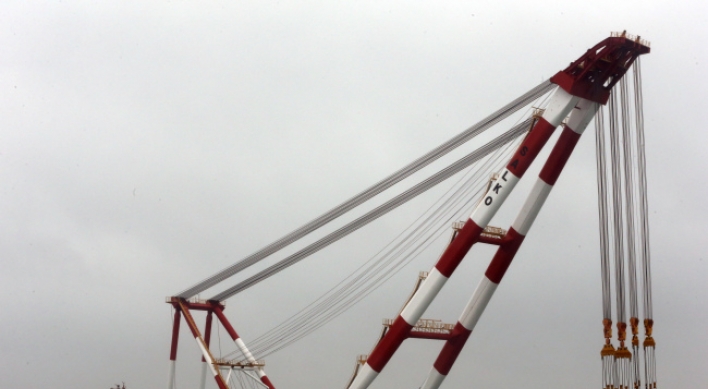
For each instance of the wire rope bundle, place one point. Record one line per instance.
(372, 191)
(627, 207)
(376, 212)
(397, 254)
(649, 344)
(401, 251)
(392, 258)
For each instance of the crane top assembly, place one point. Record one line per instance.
(578, 95)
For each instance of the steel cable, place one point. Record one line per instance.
(644, 209)
(608, 352)
(644, 252)
(627, 143)
(359, 283)
(404, 255)
(386, 183)
(334, 301)
(618, 234)
(629, 205)
(622, 355)
(376, 212)
(629, 197)
(603, 211)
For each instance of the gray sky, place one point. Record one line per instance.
(145, 145)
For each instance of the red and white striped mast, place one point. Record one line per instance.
(584, 84)
(559, 106)
(580, 117)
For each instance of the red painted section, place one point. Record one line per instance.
(190, 322)
(225, 322)
(458, 248)
(196, 306)
(452, 349)
(207, 332)
(504, 255)
(428, 335)
(389, 344)
(603, 64)
(220, 382)
(175, 335)
(267, 382)
(530, 147)
(559, 156)
(202, 306)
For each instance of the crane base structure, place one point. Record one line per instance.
(184, 308)
(579, 93)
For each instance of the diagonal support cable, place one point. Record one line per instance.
(378, 211)
(379, 187)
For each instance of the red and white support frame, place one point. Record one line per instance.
(218, 310)
(207, 339)
(560, 105)
(579, 119)
(220, 381)
(173, 349)
(182, 308)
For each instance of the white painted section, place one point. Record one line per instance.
(494, 198)
(582, 115)
(244, 350)
(256, 380)
(228, 376)
(366, 376)
(559, 107)
(249, 357)
(207, 357)
(531, 207)
(202, 385)
(477, 304)
(423, 297)
(434, 380)
(171, 376)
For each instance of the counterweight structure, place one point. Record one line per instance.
(581, 89)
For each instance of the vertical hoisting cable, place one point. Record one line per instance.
(649, 344)
(629, 220)
(608, 351)
(622, 355)
(627, 211)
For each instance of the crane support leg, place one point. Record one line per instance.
(558, 108)
(207, 338)
(220, 382)
(218, 310)
(580, 117)
(173, 349)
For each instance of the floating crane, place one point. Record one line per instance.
(578, 95)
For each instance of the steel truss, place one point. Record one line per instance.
(184, 307)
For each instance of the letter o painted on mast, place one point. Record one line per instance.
(488, 200)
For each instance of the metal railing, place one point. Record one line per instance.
(495, 232)
(635, 38)
(426, 325)
(239, 363)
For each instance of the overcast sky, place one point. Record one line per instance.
(145, 145)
